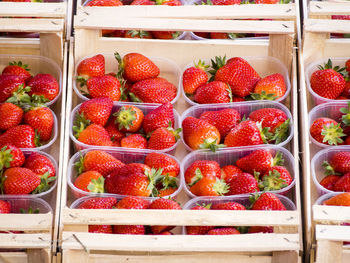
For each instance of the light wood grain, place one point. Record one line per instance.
(54, 10)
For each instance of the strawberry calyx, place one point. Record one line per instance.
(201, 65)
(211, 144)
(176, 34)
(154, 177)
(138, 33)
(120, 66)
(79, 166)
(332, 134)
(263, 96)
(278, 159)
(80, 124)
(37, 140)
(220, 187)
(45, 183)
(97, 185)
(125, 117)
(2, 181)
(229, 90)
(30, 210)
(284, 1)
(253, 198)
(235, 35)
(265, 133)
(272, 181)
(198, 176)
(20, 97)
(346, 115)
(5, 157)
(19, 64)
(175, 132)
(216, 65)
(329, 170)
(281, 133)
(206, 206)
(168, 182)
(82, 79)
(134, 98)
(39, 100)
(329, 65)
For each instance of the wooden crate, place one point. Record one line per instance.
(39, 243)
(325, 9)
(318, 45)
(79, 246)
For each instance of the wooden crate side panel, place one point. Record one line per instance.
(29, 222)
(52, 10)
(319, 9)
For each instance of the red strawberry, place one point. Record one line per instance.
(90, 181)
(129, 229)
(105, 229)
(260, 229)
(131, 168)
(169, 2)
(237, 99)
(226, 2)
(98, 161)
(114, 133)
(194, 77)
(156, 90)
(269, 117)
(224, 231)
(339, 200)
(202, 168)
(166, 34)
(167, 191)
(275, 178)
(162, 161)
(96, 110)
(94, 134)
(223, 120)
(209, 186)
(229, 171)
(104, 3)
(135, 67)
(339, 163)
(20, 181)
(40, 164)
(343, 184)
(329, 181)
(8, 85)
(10, 156)
(326, 131)
(92, 67)
(163, 138)
(243, 183)
(98, 203)
(346, 91)
(138, 34)
(271, 87)
(21, 136)
(213, 92)
(5, 207)
(228, 206)
(134, 141)
(104, 86)
(163, 204)
(43, 85)
(129, 118)
(268, 201)
(17, 68)
(41, 119)
(158, 118)
(327, 81)
(10, 115)
(142, 2)
(199, 230)
(347, 64)
(132, 202)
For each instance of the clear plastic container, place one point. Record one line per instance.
(124, 156)
(37, 64)
(168, 70)
(265, 66)
(20, 202)
(328, 110)
(325, 197)
(194, 36)
(230, 156)
(317, 99)
(146, 108)
(244, 108)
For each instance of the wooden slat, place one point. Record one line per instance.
(317, 8)
(327, 26)
(22, 222)
(333, 233)
(31, 25)
(13, 257)
(329, 214)
(41, 240)
(329, 251)
(57, 10)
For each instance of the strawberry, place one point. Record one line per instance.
(328, 82)
(91, 67)
(163, 138)
(346, 92)
(194, 77)
(271, 87)
(267, 201)
(275, 178)
(329, 181)
(21, 136)
(99, 161)
(213, 92)
(131, 168)
(339, 200)
(98, 203)
(129, 118)
(326, 131)
(132, 202)
(96, 110)
(169, 2)
(339, 163)
(104, 86)
(166, 34)
(228, 206)
(202, 168)
(17, 68)
(237, 73)
(104, 3)
(260, 229)
(5, 207)
(259, 161)
(136, 67)
(162, 161)
(8, 85)
(129, 230)
(219, 35)
(44, 85)
(142, 2)
(105, 229)
(229, 171)
(138, 34)
(167, 204)
(269, 117)
(226, 2)
(166, 192)
(343, 184)
(243, 183)
(40, 165)
(223, 120)
(199, 230)
(114, 133)
(224, 231)
(209, 186)
(94, 134)
(237, 99)
(19, 181)
(10, 115)
(347, 66)
(134, 141)
(90, 181)
(200, 134)
(41, 119)
(10, 156)
(156, 90)
(158, 118)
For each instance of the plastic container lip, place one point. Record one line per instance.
(77, 156)
(25, 58)
(143, 107)
(175, 72)
(251, 60)
(197, 155)
(325, 197)
(255, 105)
(196, 37)
(44, 206)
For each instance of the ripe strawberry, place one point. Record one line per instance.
(339, 200)
(169, 2)
(226, 2)
(21, 136)
(260, 229)
(90, 181)
(224, 231)
(199, 230)
(229, 171)
(200, 134)
(114, 133)
(131, 168)
(166, 34)
(275, 178)
(202, 168)
(104, 3)
(219, 35)
(237, 73)
(105, 229)
(269, 117)
(162, 203)
(10, 115)
(129, 229)
(94, 134)
(138, 34)
(98, 161)
(5, 207)
(162, 161)
(271, 87)
(209, 186)
(213, 92)
(347, 65)
(156, 90)
(41, 119)
(238, 99)
(267, 201)
(158, 118)
(129, 118)
(167, 191)
(98, 203)
(346, 92)
(96, 110)
(134, 141)
(259, 161)
(228, 206)
(142, 2)
(223, 120)
(104, 86)
(343, 184)
(326, 131)
(10, 156)
(329, 181)
(339, 163)
(40, 165)
(132, 202)
(17, 68)
(136, 67)
(327, 81)
(20, 181)
(91, 67)
(163, 138)
(243, 183)
(194, 77)
(43, 85)
(8, 85)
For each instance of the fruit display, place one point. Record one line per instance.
(135, 77)
(242, 124)
(236, 172)
(141, 34)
